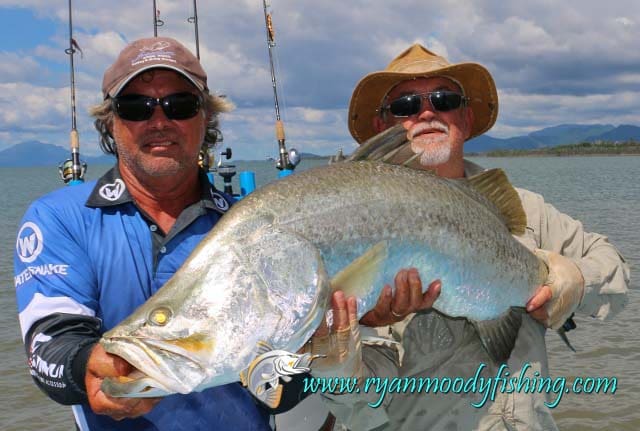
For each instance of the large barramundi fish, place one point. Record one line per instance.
(261, 278)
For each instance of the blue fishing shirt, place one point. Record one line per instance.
(89, 250)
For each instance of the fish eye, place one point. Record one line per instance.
(160, 316)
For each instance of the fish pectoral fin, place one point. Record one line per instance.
(272, 396)
(498, 336)
(357, 278)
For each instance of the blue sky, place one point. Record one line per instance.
(574, 61)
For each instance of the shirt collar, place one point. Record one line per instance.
(471, 168)
(111, 190)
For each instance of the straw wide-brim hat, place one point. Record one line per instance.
(418, 62)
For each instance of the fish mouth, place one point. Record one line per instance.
(162, 367)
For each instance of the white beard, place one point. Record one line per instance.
(433, 150)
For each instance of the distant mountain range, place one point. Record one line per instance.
(34, 153)
(553, 136)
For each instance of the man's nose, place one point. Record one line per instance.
(427, 112)
(158, 117)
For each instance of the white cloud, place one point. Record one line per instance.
(624, 21)
(15, 66)
(312, 115)
(574, 61)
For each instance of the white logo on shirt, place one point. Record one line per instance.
(41, 368)
(220, 202)
(112, 192)
(37, 340)
(29, 243)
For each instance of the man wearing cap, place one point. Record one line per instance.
(88, 255)
(442, 105)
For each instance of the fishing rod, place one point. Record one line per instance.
(194, 20)
(287, 161)
(157, 22)
(72, 170)
(206, 158)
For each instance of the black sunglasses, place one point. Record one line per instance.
(411, 104)
(136, 107)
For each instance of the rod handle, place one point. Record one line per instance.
(75, 140)
(279, 130)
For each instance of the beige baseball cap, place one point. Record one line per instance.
(152, 53)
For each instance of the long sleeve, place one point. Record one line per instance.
(355, 409)
(58, 348)
(605, 271)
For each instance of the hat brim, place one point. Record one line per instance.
(476, 81)
(117, 88)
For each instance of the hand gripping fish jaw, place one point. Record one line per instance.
(262, 376)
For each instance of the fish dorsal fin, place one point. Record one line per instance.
(380, 146)
(244, 377)
(263, 347)
(494, 185)
(357, 278)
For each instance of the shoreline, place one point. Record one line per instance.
(518, 154)
(630, 148)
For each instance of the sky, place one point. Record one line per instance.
(554, 62)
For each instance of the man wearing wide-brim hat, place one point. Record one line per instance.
(442, 105)
(467, 90)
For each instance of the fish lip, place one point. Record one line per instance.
(153, 369)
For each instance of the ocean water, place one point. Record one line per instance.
(602, 192)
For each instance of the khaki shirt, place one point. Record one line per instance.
(433, 345)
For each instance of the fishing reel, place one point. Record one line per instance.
(291, 160)
(207, 158)
(226, 170)
(69, 171)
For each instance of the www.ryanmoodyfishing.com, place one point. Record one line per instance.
(487, 386)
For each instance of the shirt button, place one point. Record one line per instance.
(163, 250)
(153, 228)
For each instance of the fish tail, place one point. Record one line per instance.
(498, 336)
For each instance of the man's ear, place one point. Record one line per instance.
(378, 124)
(469, 118)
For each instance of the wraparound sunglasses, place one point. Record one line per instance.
(177, 106)
(411, 104)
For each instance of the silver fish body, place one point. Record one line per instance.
(262, 274)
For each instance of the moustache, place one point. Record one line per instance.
(157, 136)
(422, 127)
